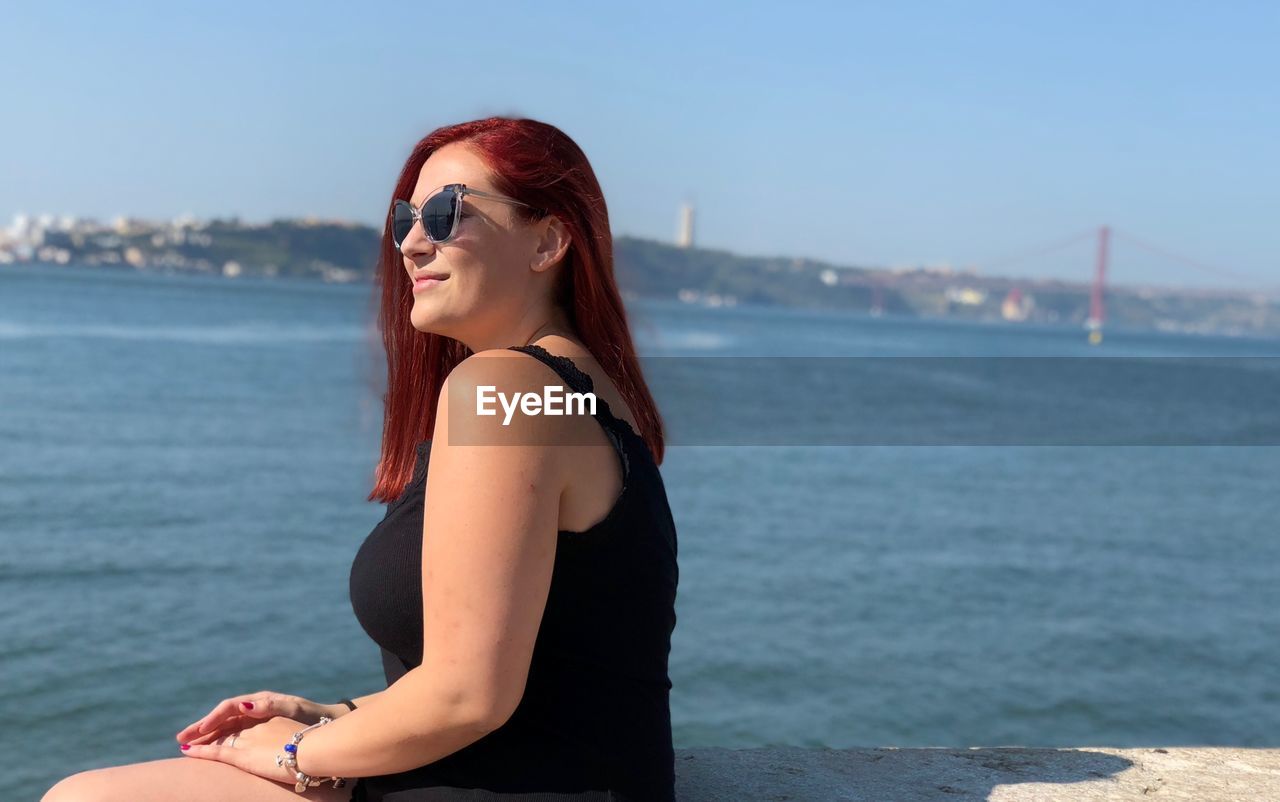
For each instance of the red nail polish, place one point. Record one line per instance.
(247, 705)
(185, 747)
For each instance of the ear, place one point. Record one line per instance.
(553, 244)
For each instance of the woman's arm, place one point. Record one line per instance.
(406, 726)
(489, 542)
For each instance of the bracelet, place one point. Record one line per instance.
(289, 760)
(348, 703)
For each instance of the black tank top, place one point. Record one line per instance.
(595, 720)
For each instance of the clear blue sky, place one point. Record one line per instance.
(878, 133)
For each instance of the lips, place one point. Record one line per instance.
(426, 281)
(426, 274)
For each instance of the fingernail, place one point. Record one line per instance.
(185, 747)
(247, 705)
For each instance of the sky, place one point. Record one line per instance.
(874, 134)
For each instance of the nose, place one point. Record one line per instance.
(417, 243)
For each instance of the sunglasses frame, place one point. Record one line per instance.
(461, 191)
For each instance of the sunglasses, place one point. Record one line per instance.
(439, 213)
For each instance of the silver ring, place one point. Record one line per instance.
(232, 740)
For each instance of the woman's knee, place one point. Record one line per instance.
(87, 786)
(180, 779)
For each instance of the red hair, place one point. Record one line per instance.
(536, 163)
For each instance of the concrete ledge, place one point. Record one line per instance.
(999, 774)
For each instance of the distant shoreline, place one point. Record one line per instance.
(336, 253)
(745, 307)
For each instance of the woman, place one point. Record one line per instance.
(524, 613)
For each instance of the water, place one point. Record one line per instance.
(183, 469)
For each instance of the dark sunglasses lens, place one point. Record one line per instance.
(438, 214)
(401, 221)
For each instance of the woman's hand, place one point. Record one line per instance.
(255, 748)
(241, 712)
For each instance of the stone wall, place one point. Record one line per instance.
(999, 774)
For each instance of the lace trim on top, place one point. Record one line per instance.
(615, 428)
(579, 381)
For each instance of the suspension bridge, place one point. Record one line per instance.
(1104, 235)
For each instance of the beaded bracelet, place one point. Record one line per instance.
(290, 761)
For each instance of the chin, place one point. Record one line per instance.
(428, 322)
